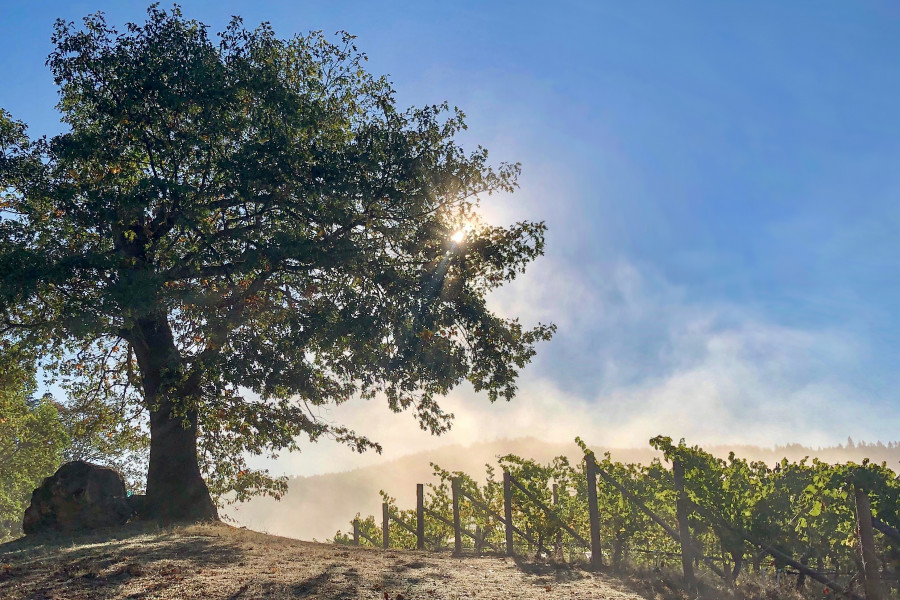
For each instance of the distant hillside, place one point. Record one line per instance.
(317, 506)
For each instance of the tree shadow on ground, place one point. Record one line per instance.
(550, 570)
(337, 582)
(102, 562)
(664, 584)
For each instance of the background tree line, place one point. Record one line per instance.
(40, 432)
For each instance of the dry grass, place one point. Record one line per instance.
(665, 584)
(218, 561)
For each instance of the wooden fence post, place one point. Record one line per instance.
(457, 534)
(385, 526)
(557, 544)
(593, 510)
(420, 516)
(684, 529)
(870, 571)
(356, 532)
(507, 512)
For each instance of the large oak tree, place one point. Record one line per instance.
(233, 233)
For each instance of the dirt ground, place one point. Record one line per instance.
(218, 561)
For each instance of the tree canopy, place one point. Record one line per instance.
(231, 234)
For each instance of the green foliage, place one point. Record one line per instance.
(487, 530)
(32, 439)
(403, 538)
(804, 509)
(369, 533)
(103, 433)
(622, 522)
(537, 478)
(240, 232)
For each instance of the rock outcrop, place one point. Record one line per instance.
(80, 495)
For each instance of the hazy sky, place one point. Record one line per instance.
(720, 181)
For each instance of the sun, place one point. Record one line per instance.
(460, 235)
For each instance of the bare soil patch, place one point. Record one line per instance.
(218, 561)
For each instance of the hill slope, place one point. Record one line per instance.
(317, 506)
(218, 562)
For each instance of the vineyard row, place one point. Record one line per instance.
(833, 524)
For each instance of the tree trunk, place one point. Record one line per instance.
(738, 558)
(175, 489)
(617, 551)
(726, 569)
(801, 578)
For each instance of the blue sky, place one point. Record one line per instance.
(720, 180)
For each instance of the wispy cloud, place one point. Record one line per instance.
(635, 358)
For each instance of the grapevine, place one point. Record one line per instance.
(803, 510)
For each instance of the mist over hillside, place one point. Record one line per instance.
(317, 506)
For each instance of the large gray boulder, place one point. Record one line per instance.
(80, 495)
